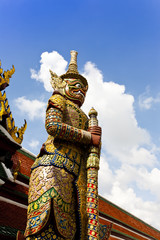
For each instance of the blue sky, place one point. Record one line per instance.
(119, 52)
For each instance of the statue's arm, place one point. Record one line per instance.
(55, 126)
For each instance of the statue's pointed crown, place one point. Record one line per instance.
(72, 71)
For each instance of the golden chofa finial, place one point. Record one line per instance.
(5, 77)
(73, 63)
(1, 70)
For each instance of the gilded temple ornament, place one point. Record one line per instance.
(5, 77)
(6, 119)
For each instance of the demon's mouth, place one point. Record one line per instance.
(79, 93)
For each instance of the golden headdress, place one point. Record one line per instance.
(72, 72)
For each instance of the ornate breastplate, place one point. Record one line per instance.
(63, 153)
(74, 116)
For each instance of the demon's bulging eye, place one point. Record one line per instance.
(78, 85)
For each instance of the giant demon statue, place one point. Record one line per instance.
(58, 178)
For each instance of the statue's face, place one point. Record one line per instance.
(75, 91)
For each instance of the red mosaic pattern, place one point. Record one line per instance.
(92, 204)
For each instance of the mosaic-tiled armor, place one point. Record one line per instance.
(58, 176)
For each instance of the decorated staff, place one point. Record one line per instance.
(92, 180)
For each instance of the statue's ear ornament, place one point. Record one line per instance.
(56, 81)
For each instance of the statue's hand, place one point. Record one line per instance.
(95, 135)
(95, 140)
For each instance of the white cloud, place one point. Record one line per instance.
(53, 61)
(105, 176)
(122, 137)
(150, 180)
(146, 180)
(116, 187)
(127, 199)
(146, 101)
(34, 144)
(34, 109)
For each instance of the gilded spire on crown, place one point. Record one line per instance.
(72, 71)
(73, 63)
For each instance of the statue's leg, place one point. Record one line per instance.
(51, 197)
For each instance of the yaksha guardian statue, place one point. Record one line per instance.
(57, 190)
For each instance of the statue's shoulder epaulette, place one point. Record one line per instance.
(57, 100)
